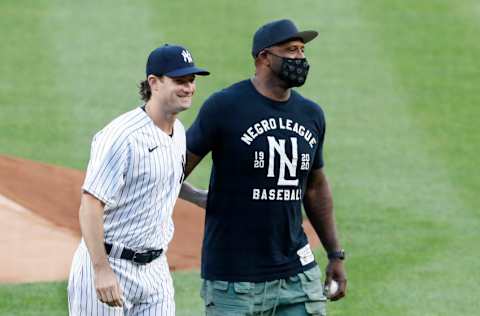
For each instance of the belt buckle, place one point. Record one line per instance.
(136, 257)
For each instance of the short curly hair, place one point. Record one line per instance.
(144, 90)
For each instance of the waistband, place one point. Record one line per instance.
(139, 257)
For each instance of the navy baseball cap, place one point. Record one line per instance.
(172, 61)
(277, 32)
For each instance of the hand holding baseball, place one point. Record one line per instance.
(336, 280)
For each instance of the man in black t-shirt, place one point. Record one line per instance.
(266, 142)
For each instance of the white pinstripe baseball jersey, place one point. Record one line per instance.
(136, 170)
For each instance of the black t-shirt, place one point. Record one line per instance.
(262, 153)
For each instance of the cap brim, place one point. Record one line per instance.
(187, 71)
(307, 36)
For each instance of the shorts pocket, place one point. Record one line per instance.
(227, 298)
(243, 287)
(316, 308)
(313, 288)
(220, 285)
(313, 273)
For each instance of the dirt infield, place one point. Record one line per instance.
(39, 206)
(31, 247)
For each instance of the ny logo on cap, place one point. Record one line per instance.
(187, 57)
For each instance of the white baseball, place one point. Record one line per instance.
(333, 288)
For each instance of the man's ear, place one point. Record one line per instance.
(154, 82)
(262, 58)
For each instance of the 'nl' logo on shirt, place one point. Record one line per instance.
(278, 146)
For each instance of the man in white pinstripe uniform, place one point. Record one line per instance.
(133, 179)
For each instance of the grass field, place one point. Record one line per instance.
(397, 80)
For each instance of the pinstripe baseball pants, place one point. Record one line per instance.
(147, 289)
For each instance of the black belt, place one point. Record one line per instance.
(137, 257)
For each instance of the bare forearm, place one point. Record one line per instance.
(318, 204)
(193, 195)
(91, 224)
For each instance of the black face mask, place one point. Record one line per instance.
(293, 71)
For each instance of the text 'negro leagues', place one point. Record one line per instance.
(265, 125)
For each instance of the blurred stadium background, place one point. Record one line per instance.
(398, 81)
